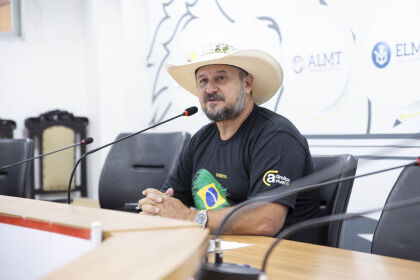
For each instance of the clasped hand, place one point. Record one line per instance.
(163, 204)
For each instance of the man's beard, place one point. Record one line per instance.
(226, 113)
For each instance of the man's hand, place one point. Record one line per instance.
(164, 205)
(265, 220)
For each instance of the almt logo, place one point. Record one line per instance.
(321, 61)
(381, 54)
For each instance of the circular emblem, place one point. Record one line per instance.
(298, 64)
(211, 197)
(381, 54)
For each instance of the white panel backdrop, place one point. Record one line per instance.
(350, 71)
(350, 76)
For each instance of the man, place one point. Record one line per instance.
(245, 151)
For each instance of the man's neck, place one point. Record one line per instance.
(228, 128)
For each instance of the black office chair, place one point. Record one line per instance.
(136, 164)
(335, 197)
(397, 232)
(15, 181)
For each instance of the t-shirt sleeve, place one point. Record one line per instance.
(277, 159)
(180, 177)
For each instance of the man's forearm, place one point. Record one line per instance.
(264, 220)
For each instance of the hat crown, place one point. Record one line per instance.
(211, 51)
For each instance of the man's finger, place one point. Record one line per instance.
(155, 197)
(170, 192)
(151, 209)
(146, 200)
(148, 191)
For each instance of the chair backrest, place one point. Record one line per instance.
(6, 128)
(50, 131)
(15, 181)
(334, 198)
(397, 232)
(138, 163)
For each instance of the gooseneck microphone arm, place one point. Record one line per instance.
(187, 112)
(333, 218)
(274, 196)
(83, 142)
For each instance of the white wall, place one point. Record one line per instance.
(103, 59)
(115, 85)
(46, 68)
(83, 56)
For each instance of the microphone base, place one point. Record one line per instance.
(229, 271)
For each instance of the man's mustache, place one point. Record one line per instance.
(213, 97)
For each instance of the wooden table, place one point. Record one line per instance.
(143, 247)
(134, 246)
(296, 260)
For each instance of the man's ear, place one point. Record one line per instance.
(249, 81)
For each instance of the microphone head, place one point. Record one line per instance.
(87, 140)
(190, 111)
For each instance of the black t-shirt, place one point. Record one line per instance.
(266, 152)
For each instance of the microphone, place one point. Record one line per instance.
(187, 112)
(221, 270)
(83, 142)
(190, 111)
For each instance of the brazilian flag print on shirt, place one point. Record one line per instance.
(207, 192)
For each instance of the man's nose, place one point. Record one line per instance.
(211, 87)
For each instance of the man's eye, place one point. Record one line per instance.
(203, 81)
(221, 78)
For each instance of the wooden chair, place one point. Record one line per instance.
(50, 131)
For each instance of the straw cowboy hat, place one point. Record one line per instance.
(267, 72)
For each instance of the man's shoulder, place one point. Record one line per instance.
(204, 132)
(272, 121)
(210, 127)
(271, 124)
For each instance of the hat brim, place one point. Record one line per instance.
(267, 72)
